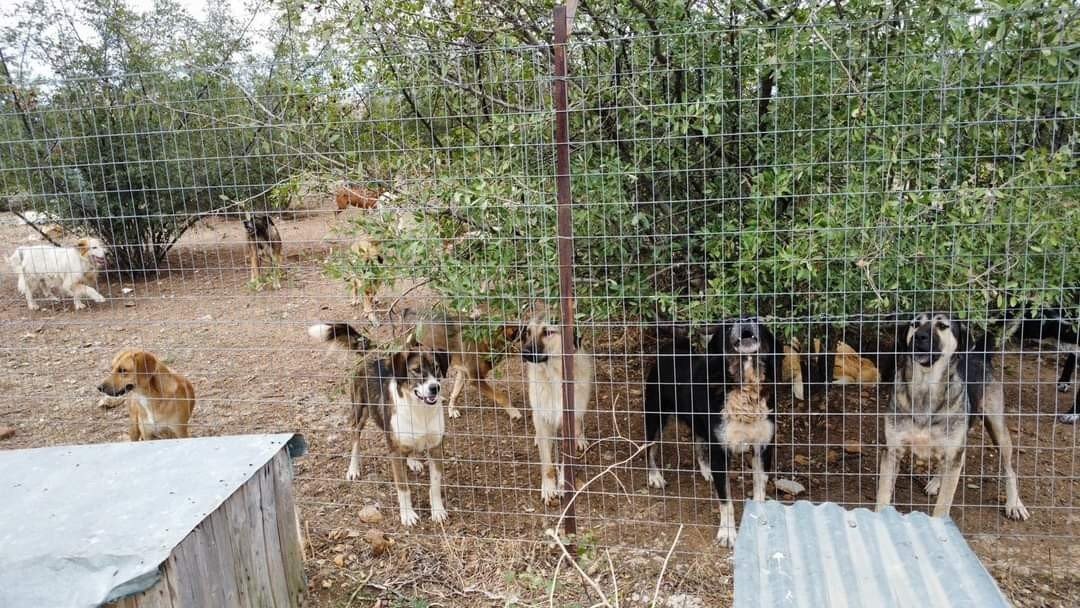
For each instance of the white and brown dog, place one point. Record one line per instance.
(542, 351)
(45, 270)
(402, 393)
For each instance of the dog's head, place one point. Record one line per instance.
(93, 250)
(541, 339)
(933, 336)
(419, 370)
(255, 225)
(129, 369)
(747, 336)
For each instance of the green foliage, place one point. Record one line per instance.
(812, 164)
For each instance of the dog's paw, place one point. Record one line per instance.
(453, 412)
(706, 472)
(513, 412)
(414, 465)
(656, 480)
(581, 444)
(79, 306)
(34, 306)
(1017, 511)
(725, 536)
(933, 486)
(550, 493)
(439, 514)
(409, 518)
(353, 474)
(1063, 387)
(1069, 418)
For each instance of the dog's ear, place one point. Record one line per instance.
(145, 363)
(717, 343)
(399, 363)
(442, 362)
(83, 246)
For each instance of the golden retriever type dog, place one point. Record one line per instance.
(940, 388)
(402, 393)
(46, 270)
(160, 402)
(542, 352)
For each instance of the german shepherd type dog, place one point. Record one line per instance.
(542, 351)
(263, 241)
(471, 360)
(402, 394)
(940, 385)
(1058, 331)
(725, 397)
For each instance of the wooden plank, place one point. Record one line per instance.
(274, 554)
(289, 529)
(262, 595)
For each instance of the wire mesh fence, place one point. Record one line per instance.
(834, 177)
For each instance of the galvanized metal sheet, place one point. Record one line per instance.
(84, 525)
(823, 555)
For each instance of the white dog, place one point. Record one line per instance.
(46, 270)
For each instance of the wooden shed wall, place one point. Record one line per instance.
(247, 553)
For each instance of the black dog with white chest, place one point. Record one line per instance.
(694, 388)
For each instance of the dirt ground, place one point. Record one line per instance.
(256, 370)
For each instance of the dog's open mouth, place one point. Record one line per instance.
(923, 359)
(113, 391)
(428, 399)
(747, 346)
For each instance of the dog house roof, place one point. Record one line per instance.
(823, 555)
(89, 524)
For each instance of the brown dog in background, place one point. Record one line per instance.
(160, 402)
(472, 360)
(353, 194)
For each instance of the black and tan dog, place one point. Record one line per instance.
(737, 372)
(263, 242)
(940, 386)
(401, 392)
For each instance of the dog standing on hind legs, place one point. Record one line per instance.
(938, 389)
(402, 393)
(263, 241)
(542, 351)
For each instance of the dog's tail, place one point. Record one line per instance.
(341, 333)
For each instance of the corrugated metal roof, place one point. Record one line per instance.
(825, 556)
(84, 525)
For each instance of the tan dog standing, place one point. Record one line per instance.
(160, 402)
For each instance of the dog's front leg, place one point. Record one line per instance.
(887, 476)
(88, 291)
(952, 464)
(579, 434)
(253, 261)
(761, 477)
(999, 433)
(455, 391)
(401, 484)
(438, 510)
(718, 460)
(545, 440)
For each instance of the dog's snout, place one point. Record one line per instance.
(102, 388)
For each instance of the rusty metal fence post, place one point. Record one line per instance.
(568, 455)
